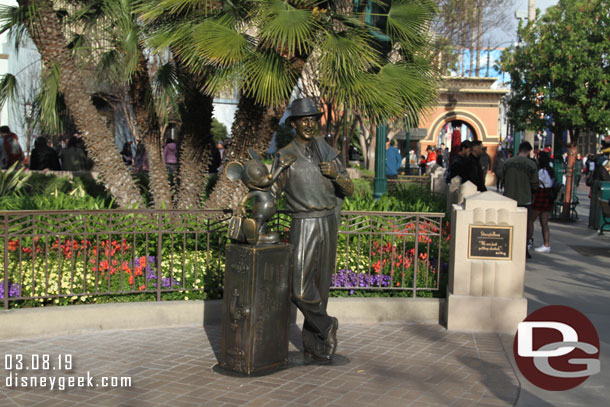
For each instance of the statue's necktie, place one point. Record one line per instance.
(308, 152)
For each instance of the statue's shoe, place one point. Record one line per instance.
(331, 338)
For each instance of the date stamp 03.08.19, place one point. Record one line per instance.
(52, 372)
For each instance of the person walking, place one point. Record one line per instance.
(430, 159)
(445, 154)
(141, 162)
(578, 166)
(520, 179)
(392, 160)
(73, 157)
(498, 170)
(314, 186)
(12, 150)
(127, 154)
(422, 165)
(542, 202)
(485, 161)
(472, 170)
(170, 156)
(458, 162)
(44, 157)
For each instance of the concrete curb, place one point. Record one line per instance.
(79, 319)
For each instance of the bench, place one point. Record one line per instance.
(558, 205)
(605, 215)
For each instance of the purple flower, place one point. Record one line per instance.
(349, 279)
(151, 273)
(168, 283)
(14, 290)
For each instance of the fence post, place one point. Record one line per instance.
(159, 253)
(415, 257)
(5, 279)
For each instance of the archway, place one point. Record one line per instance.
(455, 128)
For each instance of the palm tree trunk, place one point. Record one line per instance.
(197, 143)
(194, 162)
(253, 127)
(149, 130)
(47, 34)
(157, 173)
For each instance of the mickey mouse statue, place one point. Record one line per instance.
(256, 177)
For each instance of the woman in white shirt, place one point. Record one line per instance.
(542, 203)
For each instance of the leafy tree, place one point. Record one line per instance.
(560, 77)
(219, 130)
(463, 25)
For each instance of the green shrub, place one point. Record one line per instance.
(401, 198)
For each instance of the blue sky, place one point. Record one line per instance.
(505, 38)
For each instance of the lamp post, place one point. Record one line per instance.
(381, 183)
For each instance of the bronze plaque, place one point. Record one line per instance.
(490, 242)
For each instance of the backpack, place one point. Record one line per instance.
(12, 149)
(555, 189)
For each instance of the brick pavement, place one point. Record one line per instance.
(387, 364)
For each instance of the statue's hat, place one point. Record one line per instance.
(303, 107)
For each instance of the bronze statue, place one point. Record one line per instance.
(256, 177)
(314, 185)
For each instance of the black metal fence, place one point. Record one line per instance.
(64, 257)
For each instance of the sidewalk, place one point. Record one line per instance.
(577, 274)
(385, 364)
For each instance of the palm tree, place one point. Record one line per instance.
(122, 69)
(42, 24)
(263, 45)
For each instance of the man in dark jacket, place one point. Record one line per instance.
(456, 166)
(44, 157)
(73, 157)
(473, 171)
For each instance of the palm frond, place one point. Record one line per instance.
(8, 89)
(410, 84)
(217, 41)
(268, 78)
(166, 94)
(151, 11)
(218, 79)
(287, 28)
(14, 21)
(408, 22)
(345, 54)
(50, 101)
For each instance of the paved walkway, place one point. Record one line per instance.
(577, 274)
(390, 364)
(387, 364)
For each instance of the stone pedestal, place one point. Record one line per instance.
(437, 181)
(487, 264)
(256, 308)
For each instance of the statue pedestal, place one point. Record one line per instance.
(487, 264)
(256, 308)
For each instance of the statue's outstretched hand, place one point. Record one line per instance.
(329, 169)
(240, 211)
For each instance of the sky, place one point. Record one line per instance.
(522, 5)
(507, 37)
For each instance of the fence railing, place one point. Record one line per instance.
(64, 257)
